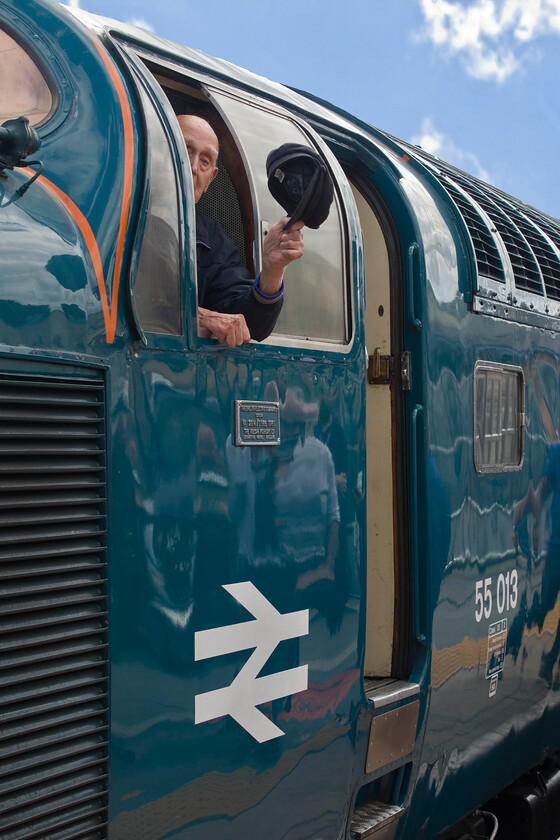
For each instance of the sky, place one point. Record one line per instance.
(474, 82)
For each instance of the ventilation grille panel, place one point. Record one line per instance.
(523, 261)
(488, 260)
(53, 609)
(531, 239)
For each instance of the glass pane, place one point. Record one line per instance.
(157, 289)
(315, 299)
(23, 90)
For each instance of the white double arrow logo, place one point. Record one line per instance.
(248, 690)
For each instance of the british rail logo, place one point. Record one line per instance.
(248, 690)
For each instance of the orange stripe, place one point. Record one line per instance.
(87, 233)
(127, 185)
(109, 312)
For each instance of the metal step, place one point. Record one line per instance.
(375, 819)
(385, 692)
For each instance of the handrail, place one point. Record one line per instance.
(416, 412)
(415, 322)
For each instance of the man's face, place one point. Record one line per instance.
(202, 148)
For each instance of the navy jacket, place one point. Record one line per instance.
(224, 284)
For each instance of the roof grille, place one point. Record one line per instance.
(547, 259)
(53, 609)
(531, 238)
(488, 259)
(525, 268)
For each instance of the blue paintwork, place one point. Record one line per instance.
(180, 495)
(47, 299)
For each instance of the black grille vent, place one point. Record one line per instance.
(550, 226)
(526, 233)
(546, 256)
(53, 609)
(525, 268)
(221, 204)
(488, 259)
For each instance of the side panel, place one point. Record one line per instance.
(49, 288)
(484, 552)
(195, 513)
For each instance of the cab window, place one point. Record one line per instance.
(24, 91)
(315, 301)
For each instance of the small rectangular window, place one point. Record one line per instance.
(499, 417)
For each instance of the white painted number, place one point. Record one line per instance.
(513, 599)
(506, 594)
(483, 598)
(478, 600)
(487, 597)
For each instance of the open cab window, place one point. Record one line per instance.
(316, 300)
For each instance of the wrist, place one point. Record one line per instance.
(263, 297)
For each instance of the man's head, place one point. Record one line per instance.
(202, 147)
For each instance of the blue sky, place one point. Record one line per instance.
(473, 81)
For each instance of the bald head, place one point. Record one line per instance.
(202, 147)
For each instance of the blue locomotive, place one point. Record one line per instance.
(301, 589)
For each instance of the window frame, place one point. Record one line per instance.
(141, 76)
(58, 83)
(158, 68)
(260, 225)
(485, 468)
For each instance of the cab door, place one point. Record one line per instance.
(392, 669)
(239, 687)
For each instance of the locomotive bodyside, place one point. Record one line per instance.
(278, 589)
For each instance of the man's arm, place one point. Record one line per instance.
(281, 247)
(253, 308)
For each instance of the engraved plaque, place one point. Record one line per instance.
(257, 423)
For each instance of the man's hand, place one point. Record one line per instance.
(281, 247)
(228, 329)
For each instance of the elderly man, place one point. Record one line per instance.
(233, 307)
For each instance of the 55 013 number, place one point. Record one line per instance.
(503, 594)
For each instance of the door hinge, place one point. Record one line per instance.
(380, 368)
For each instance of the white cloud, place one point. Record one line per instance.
(489, 36)
(143, 24)
(442, 146)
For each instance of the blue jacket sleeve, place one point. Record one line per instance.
(225, 285)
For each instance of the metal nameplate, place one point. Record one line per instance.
(257, 423)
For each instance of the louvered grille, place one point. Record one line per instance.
(547, 256)
(549, 263)
(525, 268)
(532, 239)
(53, 609)
(488, 259)
(550, 226)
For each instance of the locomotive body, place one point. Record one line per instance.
(303, 588)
